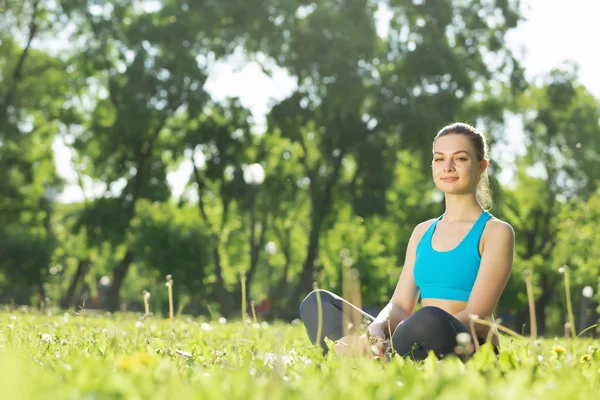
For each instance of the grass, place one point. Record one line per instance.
(66, 356)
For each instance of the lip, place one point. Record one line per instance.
(449, 179)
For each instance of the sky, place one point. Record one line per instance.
(554, 31)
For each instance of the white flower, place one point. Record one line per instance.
(139, 324)
(206, 327)
(587, 292)
(46, 337)
(269, 358)
(463, 338)
(264, 324)
(222, 320)
(563, 269)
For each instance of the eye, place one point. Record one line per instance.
(437, 159)
(462, 158)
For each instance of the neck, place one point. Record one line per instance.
(460, 207)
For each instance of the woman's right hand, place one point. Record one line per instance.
(377, 329)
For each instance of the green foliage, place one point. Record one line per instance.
(172, 241)
(24, 257)
(577, 244)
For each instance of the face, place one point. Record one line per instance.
(455, 167)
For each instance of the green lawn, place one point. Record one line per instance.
(108, 357)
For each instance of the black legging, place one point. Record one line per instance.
(429, 328)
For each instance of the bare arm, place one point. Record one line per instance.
(406, 294)
(494, 271)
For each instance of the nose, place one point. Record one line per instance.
(448, 165)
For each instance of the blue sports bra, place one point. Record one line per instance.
(449, 275)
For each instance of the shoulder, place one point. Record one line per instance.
(498, 233)
(499, 229)
(420, 230)
(423, 226)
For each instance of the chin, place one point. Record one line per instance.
(453, 188)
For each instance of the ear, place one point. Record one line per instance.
(484, 165)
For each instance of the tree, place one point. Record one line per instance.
(34, 87)
(148, 75)
(562, 131)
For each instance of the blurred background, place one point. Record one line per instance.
(206, 138)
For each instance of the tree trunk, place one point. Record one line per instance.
(280, 287)
(320, 209)
(223, 296)
(306, 277)
(113, 295)
(255, 248)
(83, 268)
(542, 303)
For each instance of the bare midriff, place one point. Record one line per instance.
(450, 306)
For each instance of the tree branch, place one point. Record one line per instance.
(18, 71)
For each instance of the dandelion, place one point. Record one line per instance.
(146, 295)
(206, 327)
(585, 358)
(540, 358)
(563, 269)
(558, 350)
(136, 362)
(472, 319)
(587, 292)
(139, 324)
(46, 337)
(463, 338)
(222, 320)
(169, 285)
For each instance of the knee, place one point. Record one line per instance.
(423, 323)
(431, 312)
(310, 303)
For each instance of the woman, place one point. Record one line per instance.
(459, 263)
